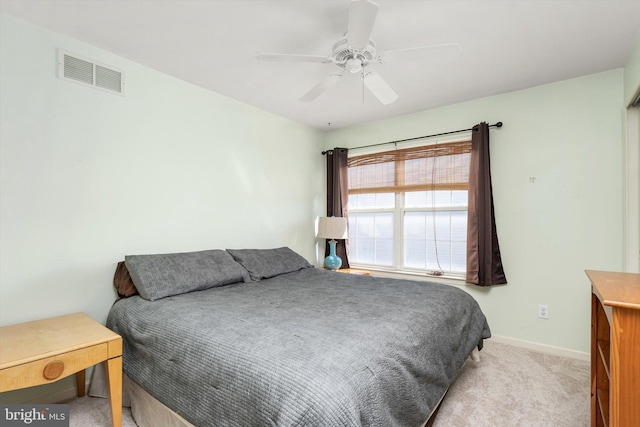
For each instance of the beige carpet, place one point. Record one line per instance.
(509, 387)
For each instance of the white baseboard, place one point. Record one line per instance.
(557, 351)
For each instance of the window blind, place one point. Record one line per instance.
(430, 167)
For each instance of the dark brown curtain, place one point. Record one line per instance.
(338, 195)
(484, 264)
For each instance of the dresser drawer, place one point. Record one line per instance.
(51, 369)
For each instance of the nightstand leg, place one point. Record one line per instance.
(80, 382)
(114, 378)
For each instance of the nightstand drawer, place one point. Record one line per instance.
(53, 368)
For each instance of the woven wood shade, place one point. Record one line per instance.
(431, 167)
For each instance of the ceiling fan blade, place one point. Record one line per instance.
(317, 90)
(379, 87)
(442, 51)
(362, 16)
(284, 57)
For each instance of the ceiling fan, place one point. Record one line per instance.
(354, 53)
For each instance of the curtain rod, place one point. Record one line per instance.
(497, 125)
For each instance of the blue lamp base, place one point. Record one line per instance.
(333, 261)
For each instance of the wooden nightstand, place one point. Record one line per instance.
(354, 271)
(48, 350)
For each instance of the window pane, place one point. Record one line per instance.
(459, 241)
(415, 199)
(442, 226)
(458, 257)
(459, 198)
(415, 239)
(364, 201)
(385, 200)
(384, 252)
(443, 255)
(459, 226)
(415, 226)
(371, 238)
(435, 240)
(384, 226)
(438, 199)
(372, 201)
(362, 250)
(415, 253)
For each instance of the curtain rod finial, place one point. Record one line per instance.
(499, 124)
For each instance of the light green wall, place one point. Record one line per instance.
(556, 168)
(89, 176)
(631, 167)
(631, 89)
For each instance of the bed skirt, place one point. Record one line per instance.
(146, 410)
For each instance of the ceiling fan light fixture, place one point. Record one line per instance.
(354, 52)
(354, 65)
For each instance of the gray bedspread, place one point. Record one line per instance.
(309, 348)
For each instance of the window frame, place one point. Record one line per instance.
(398, 212)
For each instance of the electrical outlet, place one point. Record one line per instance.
(543, 311)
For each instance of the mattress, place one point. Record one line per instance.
(311, 347)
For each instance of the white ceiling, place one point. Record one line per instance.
(504, 46)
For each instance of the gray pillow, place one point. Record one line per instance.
(265, 263)
(163, 275)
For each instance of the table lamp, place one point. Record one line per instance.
(332, 228)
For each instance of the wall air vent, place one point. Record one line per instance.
(85, 71)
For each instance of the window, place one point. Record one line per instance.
(408, 209)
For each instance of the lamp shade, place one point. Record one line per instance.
(332, 228)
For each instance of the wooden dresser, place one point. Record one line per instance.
(615, 349)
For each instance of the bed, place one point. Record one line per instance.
(276, 342)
